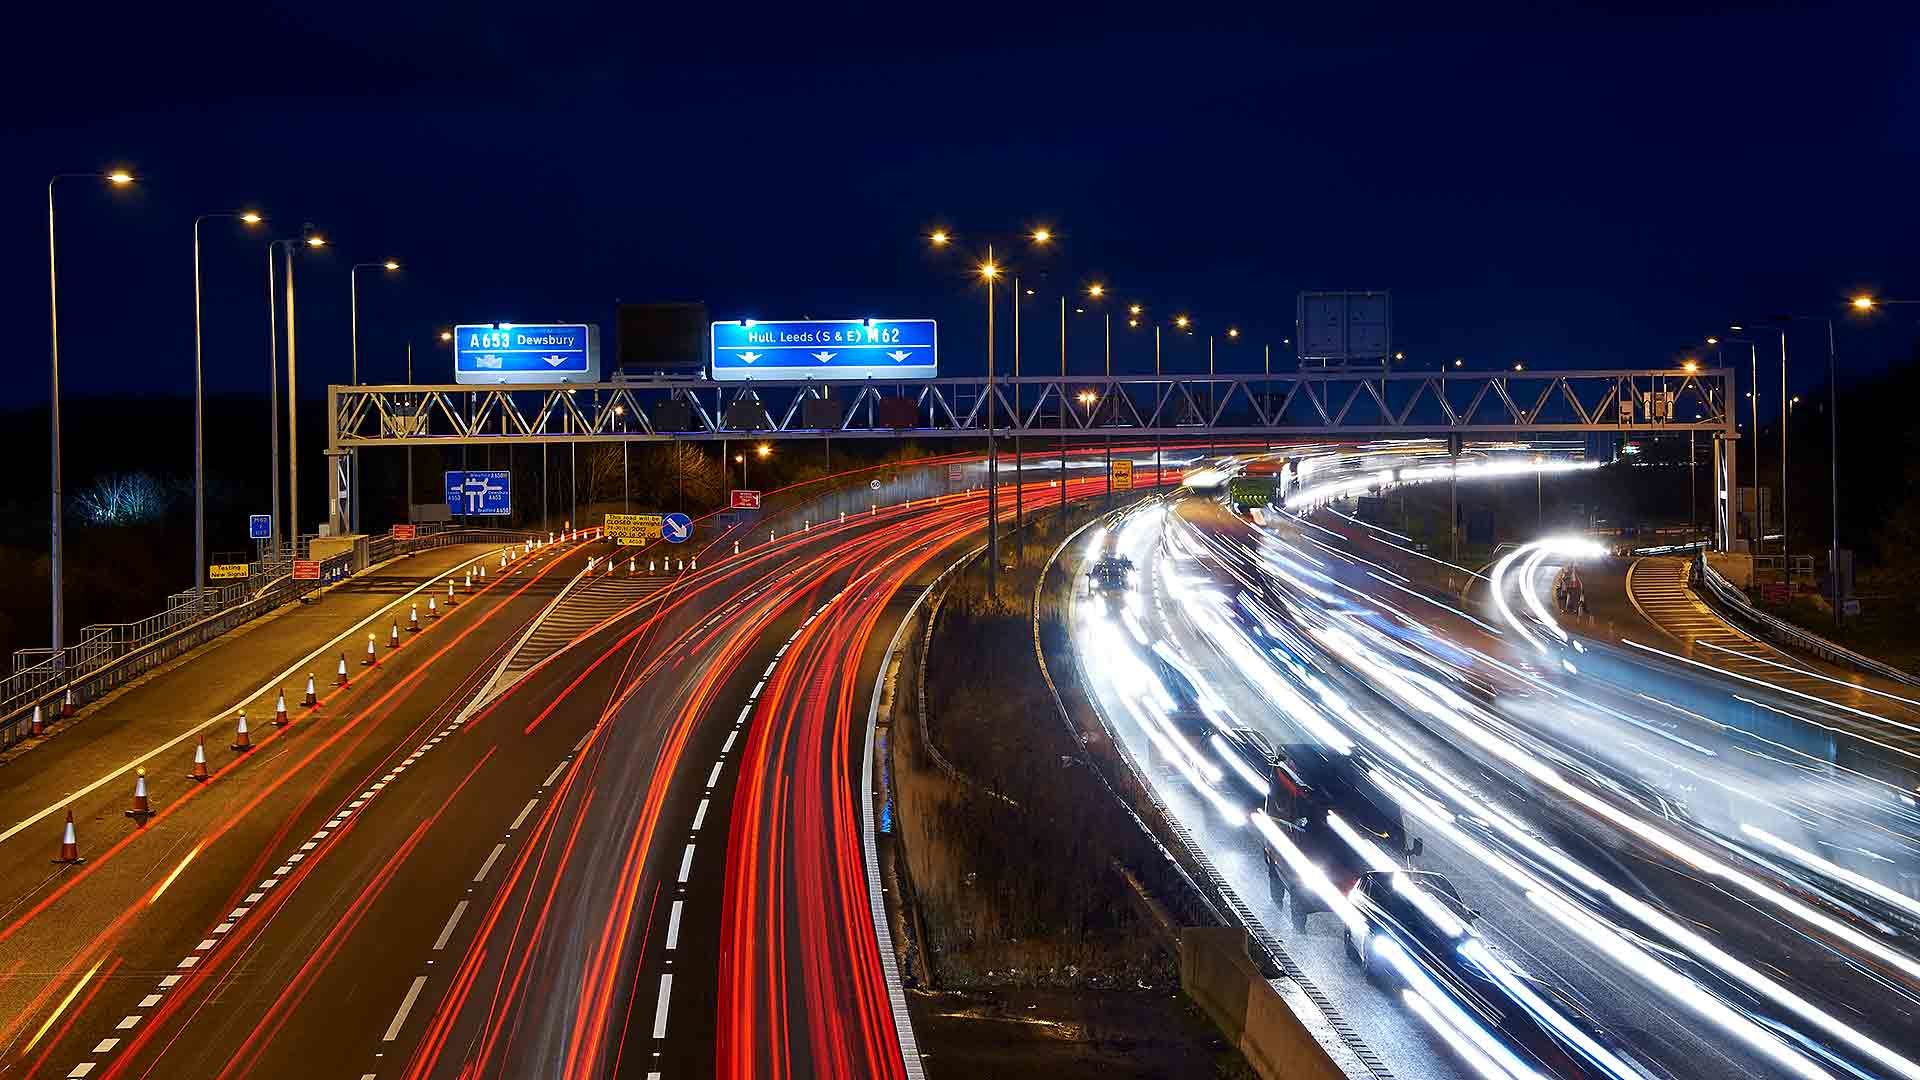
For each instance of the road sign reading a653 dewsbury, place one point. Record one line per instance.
(489, 354)
(827, 349)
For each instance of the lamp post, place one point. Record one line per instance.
(353, 333)
(118, 178)
(1833, 435)
(311, 240)
(247, 217)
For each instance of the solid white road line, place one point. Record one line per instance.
(406, 1006)
(299, 667)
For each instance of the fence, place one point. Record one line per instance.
(1733, 603)
(109, 655)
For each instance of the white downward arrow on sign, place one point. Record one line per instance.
(555, 361)
(898, 355)
(749, 357)
(823, 357)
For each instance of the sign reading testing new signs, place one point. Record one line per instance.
(825, 349)
(227, 571)
(489, 354)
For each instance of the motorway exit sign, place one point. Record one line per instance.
(483, 492)
(489, 354)
(746, 499)
(830, 349)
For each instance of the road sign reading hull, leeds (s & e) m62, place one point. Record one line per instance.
(489, 354)
(825, 349)
(483, 492)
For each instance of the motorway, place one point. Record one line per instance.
(1663, 862)
(584, 824)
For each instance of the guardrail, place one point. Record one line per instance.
(109, 655)
(1736, 606)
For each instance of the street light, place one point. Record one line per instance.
(118, 178)
(315, 241)
(353, 309)
(446, 335)
(939, 237)
(249, 218)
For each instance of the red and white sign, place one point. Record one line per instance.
(306, 570)
(403, 532)
(746, 499)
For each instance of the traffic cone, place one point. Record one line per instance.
(469, 585)
(393, 636)
(483, 571)
(433, 608)
(141, 810)
(696, 564)
(314, 699)
(450, 600)
(280, 710)
(631, 563)
(39, 721)
(66, 704)
(413, 619)
(69, 844)
(371, 658)
(240, 740)
(199, 772)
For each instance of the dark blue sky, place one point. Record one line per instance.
(1579, 190)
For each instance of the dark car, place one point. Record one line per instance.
(1421, 914)
(1310, 783)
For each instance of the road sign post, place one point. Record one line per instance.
(493, 353)
(827, 349)
(480, 492)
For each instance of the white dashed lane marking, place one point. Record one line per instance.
(686, 864)
(446, 932)
(488, 865)
(406, 1006)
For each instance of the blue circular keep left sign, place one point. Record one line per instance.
(676, 528)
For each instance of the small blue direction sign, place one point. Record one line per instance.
(489, 354)
(825, 349)
(259, 527)
(480, 492)
(676, 528)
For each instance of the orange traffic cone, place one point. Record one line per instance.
(69, 844)
(199, 772)
(240, 740)
(450, 599)
(312, 698)
(631, 563)
(39, 721)
(280, 710)
(413, 619)
(483, 571)
(433, 609)
(468, 584)
(371, 659)
(393, 637)
(66, 704)
(141, 810)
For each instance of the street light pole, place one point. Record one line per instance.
(993, 464)
(273, 407)
(1019, 463)
(353, 331)
(57, 541)
(1063, 409)
(199, 412)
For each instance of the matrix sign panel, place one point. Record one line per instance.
(480, 492)
(490, 354)
(825, 349)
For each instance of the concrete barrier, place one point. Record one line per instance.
(1220, 977)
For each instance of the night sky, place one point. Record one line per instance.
(1578, 191)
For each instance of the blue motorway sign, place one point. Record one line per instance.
(489, 354)
(825, 349)
(259, 527)
(480, 492)
(676, 528)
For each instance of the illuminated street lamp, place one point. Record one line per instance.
(249, 218)
(118, 178)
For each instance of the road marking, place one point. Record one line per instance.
(488, 865)
(767, 674)
(406, 1006)
(673, 926)
(446, 932)
(714, 776)
(150, 1001)
(731, 735)
(254, 898)
(127, 1022)
(554, 775)
(686, 864)
(223, 928)
(222, 716)
(106, 1045)
(524, 811)
(700, 815)
(205, 944)
(660, 1010)
(745, 711)
(757, 687)
(167, 983)
(582, 742)
(80, 1070)
(187, 961)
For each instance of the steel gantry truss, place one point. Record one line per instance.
(1281, 406)
(1504, 404)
